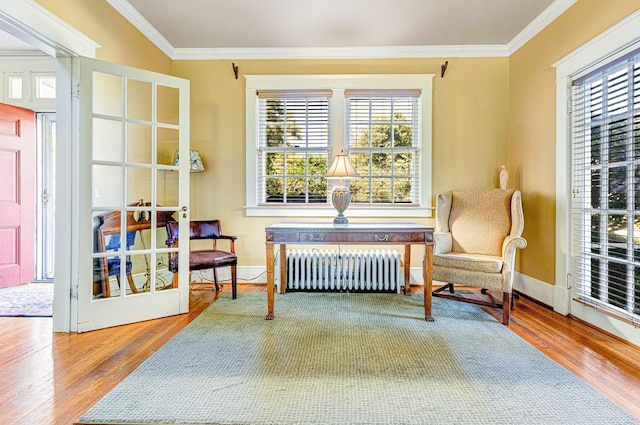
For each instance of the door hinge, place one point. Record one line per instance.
(568, 280)
(75, 90)
(74, 292)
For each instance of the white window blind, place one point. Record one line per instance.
(606, 187)
(383, 135)
(294, 144)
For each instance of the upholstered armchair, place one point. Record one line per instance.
(476, 236)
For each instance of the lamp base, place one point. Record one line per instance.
(340, 220)
(340, 198)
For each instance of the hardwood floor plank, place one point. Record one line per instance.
(49, 378)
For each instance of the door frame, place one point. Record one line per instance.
(35, 25)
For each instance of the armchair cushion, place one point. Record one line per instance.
(480, 219)
(473, 262)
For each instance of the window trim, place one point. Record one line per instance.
(338, 83)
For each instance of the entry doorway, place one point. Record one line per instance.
(45, 199)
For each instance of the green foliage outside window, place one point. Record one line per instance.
(386, 172)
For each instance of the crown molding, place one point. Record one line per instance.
(137, 20)
(550, 14)
(382, 52)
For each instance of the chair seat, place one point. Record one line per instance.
(206, 259)
(475, 262)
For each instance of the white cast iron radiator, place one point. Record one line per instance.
(357, 271)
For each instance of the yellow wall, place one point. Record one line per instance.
(470, 109)
(532, 123)
(120, 41)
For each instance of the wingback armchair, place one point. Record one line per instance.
(476, 236)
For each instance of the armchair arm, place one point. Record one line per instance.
(443, 242)
(231, 239)
(509, 246)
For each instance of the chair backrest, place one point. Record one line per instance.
(480, 219)
(203, 229)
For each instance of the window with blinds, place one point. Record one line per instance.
(606, 187)
(383, 136)
(294, 144)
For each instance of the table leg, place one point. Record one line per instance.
(427, 271)
(270, 288)
(407, 269)
(283, 268)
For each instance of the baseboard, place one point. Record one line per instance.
(246, 274)
(534, 288)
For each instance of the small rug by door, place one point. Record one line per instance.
(28, 300)
(350, 359)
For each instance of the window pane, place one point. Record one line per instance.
(275, 164)
(15, 88)
(46, 86)
(617, 239)
(596, 187)
(381, 164)
(618, 188)
(381, 190)
(275, 190)
(381, 136)
(403, 163)
(596, 241)
(360, 190)
(402, 135)
(360, 162)
(402, 190)
(618, 141)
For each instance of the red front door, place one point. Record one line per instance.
(17, 195)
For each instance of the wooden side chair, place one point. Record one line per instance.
(476, 236)
(207, 258)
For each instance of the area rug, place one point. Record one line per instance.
(350, 359)
(28, 300)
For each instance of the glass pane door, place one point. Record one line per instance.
(133, 123)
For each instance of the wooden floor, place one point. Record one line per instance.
(48, 378)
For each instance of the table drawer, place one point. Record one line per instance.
(364, 238)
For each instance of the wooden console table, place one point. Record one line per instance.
(406, 234)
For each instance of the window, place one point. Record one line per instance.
(296, 124)
(383, 136)
(293, 146)
(14, 87)
(606, 186)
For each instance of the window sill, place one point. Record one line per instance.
(314, 211)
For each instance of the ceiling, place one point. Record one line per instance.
(337, 23)
(261, 29)
(9, 43)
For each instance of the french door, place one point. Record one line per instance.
(132, 123)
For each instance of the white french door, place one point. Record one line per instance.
(132, 125)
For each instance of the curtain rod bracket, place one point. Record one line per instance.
(443, 68)
(235, 69)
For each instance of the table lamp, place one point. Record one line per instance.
(340, 196)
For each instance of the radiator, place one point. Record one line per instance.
(357, 271)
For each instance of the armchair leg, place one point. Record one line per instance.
(234, 283)
(215, 279)
(506, 307)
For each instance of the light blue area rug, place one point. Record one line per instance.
(350, 359)
(27, 300)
